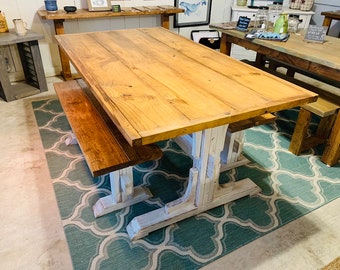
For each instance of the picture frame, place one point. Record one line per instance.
(99, 5)
(196, 12)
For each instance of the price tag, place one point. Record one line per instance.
(242, 23)
(316, 34)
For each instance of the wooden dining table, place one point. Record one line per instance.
(156, 85)
(318, 59)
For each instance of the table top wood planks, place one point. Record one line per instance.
(157, 85)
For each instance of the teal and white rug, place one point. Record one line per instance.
(291, 187)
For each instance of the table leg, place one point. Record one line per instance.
(165, 21)
(225, 46)
(65, 62)
(327, 22)
(203, 190)
(331, 153)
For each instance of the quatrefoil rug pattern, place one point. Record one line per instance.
(292, 186)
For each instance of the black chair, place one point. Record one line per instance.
(209, 38)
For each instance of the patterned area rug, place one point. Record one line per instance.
(291, 187)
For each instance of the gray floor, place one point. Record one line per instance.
(32, 236)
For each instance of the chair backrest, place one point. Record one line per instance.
(209, 38)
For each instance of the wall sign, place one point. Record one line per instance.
(242, 23)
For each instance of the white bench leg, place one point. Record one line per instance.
(123, 193)
(71, 139)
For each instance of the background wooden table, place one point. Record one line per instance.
(60, 16)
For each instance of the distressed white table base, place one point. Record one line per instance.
(203, 190)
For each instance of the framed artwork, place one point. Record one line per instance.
(97, 5)
(196, 12)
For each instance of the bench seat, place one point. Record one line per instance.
(102, 144)
(104, 147)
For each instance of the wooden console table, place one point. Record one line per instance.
(60, 16)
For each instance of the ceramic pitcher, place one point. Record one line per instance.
(20, 27)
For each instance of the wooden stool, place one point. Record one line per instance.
(327, 111)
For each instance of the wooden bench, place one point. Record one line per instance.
(104, 147)
(328, 112)
(327, 107)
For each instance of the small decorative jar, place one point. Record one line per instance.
(241, 2)
(295, 4)
(306, 5)
(51, 5)
(3, 23)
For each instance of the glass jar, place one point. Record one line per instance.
(293, 23)
(274, 12)
(261, 19)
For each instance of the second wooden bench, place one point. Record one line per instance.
(327, 108)
(104, 147)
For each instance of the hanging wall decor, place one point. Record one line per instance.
(98, 5)
(196, 12)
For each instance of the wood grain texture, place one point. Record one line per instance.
(126, 11)
(156, 85)
(103, 146)
(322, 59)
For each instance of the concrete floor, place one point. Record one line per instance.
(32, 236)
